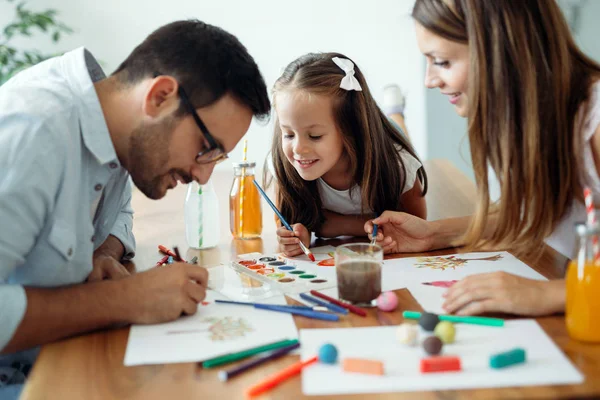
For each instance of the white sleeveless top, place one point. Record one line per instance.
(348, 202)
(563, 239)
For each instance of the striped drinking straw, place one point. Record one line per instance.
(241, 233)
(200, 216)
(591, 221)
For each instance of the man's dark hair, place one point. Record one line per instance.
(207, 61)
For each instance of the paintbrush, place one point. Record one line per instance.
(306, 251)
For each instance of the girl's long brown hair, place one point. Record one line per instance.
(527, 88)
(370, 141)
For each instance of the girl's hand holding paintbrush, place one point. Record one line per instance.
(289, 241)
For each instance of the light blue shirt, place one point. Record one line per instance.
(62, 189)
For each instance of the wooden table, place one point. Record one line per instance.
(91, 366)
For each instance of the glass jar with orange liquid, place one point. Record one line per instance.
(583, 288)
(245, 214)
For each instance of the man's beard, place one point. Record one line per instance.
(149, 155)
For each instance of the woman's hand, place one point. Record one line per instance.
(506, 293)
(399, 232)
(289, 241)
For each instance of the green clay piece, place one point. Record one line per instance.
(508, 358)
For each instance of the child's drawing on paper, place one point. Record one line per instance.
(442, 284)
(227, 328)
(443, 263)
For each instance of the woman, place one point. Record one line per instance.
(532, 100)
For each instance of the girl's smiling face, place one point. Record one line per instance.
(310, 140)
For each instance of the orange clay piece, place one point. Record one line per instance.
(362, 366)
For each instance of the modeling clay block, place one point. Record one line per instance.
(508, 358)
(440, 364)
(407, 334)
(362, 366)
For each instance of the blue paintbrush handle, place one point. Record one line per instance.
(275, 210)
(305, 313)
(322, 303)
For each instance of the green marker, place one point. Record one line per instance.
(459, 319)
(227, 358)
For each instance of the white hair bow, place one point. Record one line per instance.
(349, 82)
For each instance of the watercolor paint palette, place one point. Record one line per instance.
(287, 275)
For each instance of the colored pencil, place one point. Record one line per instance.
(306, 251)
(349, 307)
(279, 377)
(226, 375)
(272, 307)
(459, 319)
(227, 358)
(330, 306)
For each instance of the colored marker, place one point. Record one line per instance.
(288, 309)
(165, 250)
(177, 255)
(226, 375)
(279, 377)
(306, 251)
(332, 307)
(170, 260)
(194, 260)
(240, 355)
(459, 319)
(349, 307)
(162, 260)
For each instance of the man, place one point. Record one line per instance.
(70, 138)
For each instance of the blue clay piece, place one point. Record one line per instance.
(328, 354)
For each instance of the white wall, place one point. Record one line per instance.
(378, 35)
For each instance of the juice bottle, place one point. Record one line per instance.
(245, 214)
(583, 288)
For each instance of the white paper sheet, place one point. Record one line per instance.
(546, 364)
(406, 272)
(190, 339)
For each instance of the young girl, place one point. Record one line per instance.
(533, 103)
(337, 160)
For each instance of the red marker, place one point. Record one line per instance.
(162, 260)
(349, 307)
(166, 251)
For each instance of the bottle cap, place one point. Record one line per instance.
(244, 164)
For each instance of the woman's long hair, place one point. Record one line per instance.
(370, 142)
(527, 88)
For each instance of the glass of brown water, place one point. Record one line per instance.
(358, 268)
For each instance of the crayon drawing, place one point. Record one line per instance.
(444, 263)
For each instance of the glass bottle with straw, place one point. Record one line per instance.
(583, 280)
(245, 217)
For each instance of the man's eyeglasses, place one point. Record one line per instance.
(214, 153)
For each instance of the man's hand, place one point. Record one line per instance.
(164, 293)
(106, 267)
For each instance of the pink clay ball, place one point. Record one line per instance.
(387, 301)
